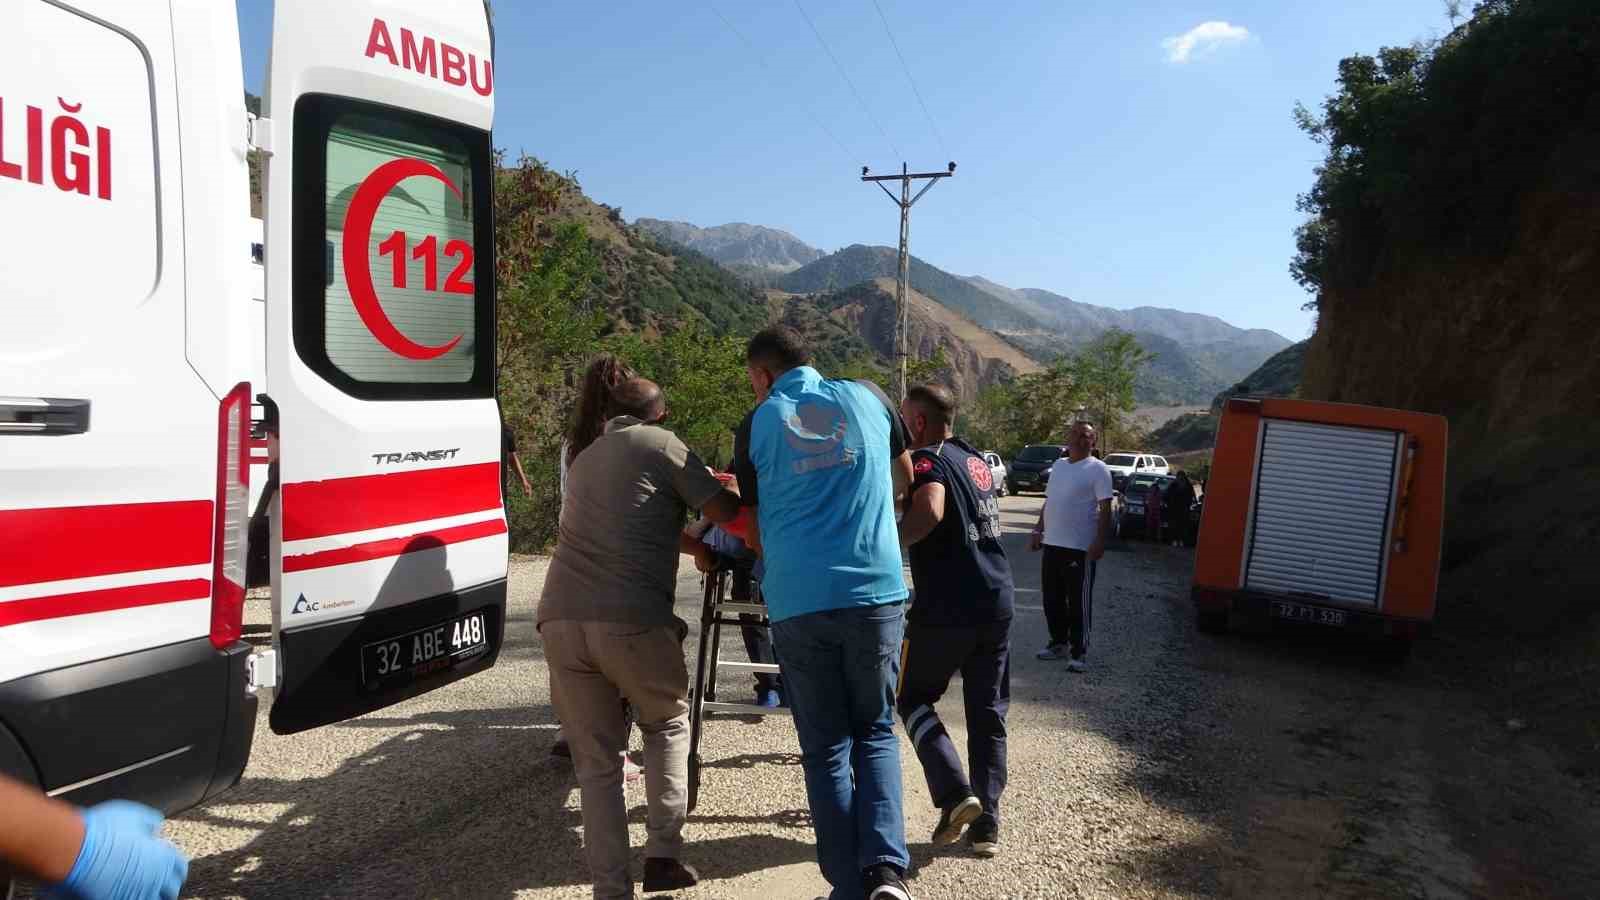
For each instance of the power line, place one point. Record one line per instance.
(817, 120)
(907, 69)
(846, 77)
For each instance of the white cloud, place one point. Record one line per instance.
(1202, 40)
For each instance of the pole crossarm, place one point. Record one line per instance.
(912, 175)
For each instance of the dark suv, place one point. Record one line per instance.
(1030, 471)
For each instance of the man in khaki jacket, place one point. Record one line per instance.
(606, 620)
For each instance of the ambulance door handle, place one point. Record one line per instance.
(43, 415)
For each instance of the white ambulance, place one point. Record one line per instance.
(125, 402)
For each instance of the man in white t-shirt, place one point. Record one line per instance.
(1072, 529)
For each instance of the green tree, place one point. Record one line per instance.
(1105, 372)
(923, 371)
(705, 382)
(545, 280)
(1434, 148)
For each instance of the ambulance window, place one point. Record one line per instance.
(394, 293)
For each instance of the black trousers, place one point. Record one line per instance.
(931, 655)
(1067, 579)
(757, 640)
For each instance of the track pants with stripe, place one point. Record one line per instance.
(1068, 583)
(931, 656)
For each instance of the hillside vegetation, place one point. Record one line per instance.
(1452, 252)
(1279, 376)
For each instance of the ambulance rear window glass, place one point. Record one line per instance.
(400, 293)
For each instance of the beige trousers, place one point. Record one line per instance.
(593, 665)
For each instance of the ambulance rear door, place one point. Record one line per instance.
(388, 531)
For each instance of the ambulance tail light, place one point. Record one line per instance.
(228, 551)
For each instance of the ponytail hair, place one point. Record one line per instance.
(604, 374)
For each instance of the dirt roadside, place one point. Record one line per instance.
(1180, 765)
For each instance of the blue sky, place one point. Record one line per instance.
(1101, 153)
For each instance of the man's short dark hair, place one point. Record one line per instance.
(936, 401)
(779, 348)
(637, 397)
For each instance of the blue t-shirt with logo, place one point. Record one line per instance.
(814, 459)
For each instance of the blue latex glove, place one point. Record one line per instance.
(124, 857)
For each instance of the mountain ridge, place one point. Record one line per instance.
(1194, 355)
(736, 243)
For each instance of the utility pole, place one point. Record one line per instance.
(905, 201)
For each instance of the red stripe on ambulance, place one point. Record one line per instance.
(81, 603)
(64, 542)
(363, 502)
(431, 540)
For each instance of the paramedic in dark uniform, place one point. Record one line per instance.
(960, 620)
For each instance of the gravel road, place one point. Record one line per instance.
(1179, 765)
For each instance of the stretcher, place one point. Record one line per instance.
(716, 611)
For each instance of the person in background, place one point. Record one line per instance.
(605, 618)
(960, 620)
(509, 460)
(821, 462)
(1072, 529)
(600, 378)
(1153, 500)
(604, 373)
(110, 851)
(1180, 495)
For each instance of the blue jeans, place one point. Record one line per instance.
(840, 669)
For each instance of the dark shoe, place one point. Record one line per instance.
(767, 697)
(984, 836)
(955, 817)
(560, 747)
(883, 882)
(662, 874)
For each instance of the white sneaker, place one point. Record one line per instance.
(1077, 664)
(1052, 652)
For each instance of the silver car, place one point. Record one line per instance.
(997, 468)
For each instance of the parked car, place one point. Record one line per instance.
(1132, 462)
(1128, 517)
(1030, 471)
(997, 469)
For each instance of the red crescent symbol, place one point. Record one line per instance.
(357, 243)
(979, 470)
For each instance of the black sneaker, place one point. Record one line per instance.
(955, 817)
(883, 882)
(984, 836)
(662, 874)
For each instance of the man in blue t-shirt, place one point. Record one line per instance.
(959, 622)
(822, 462)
